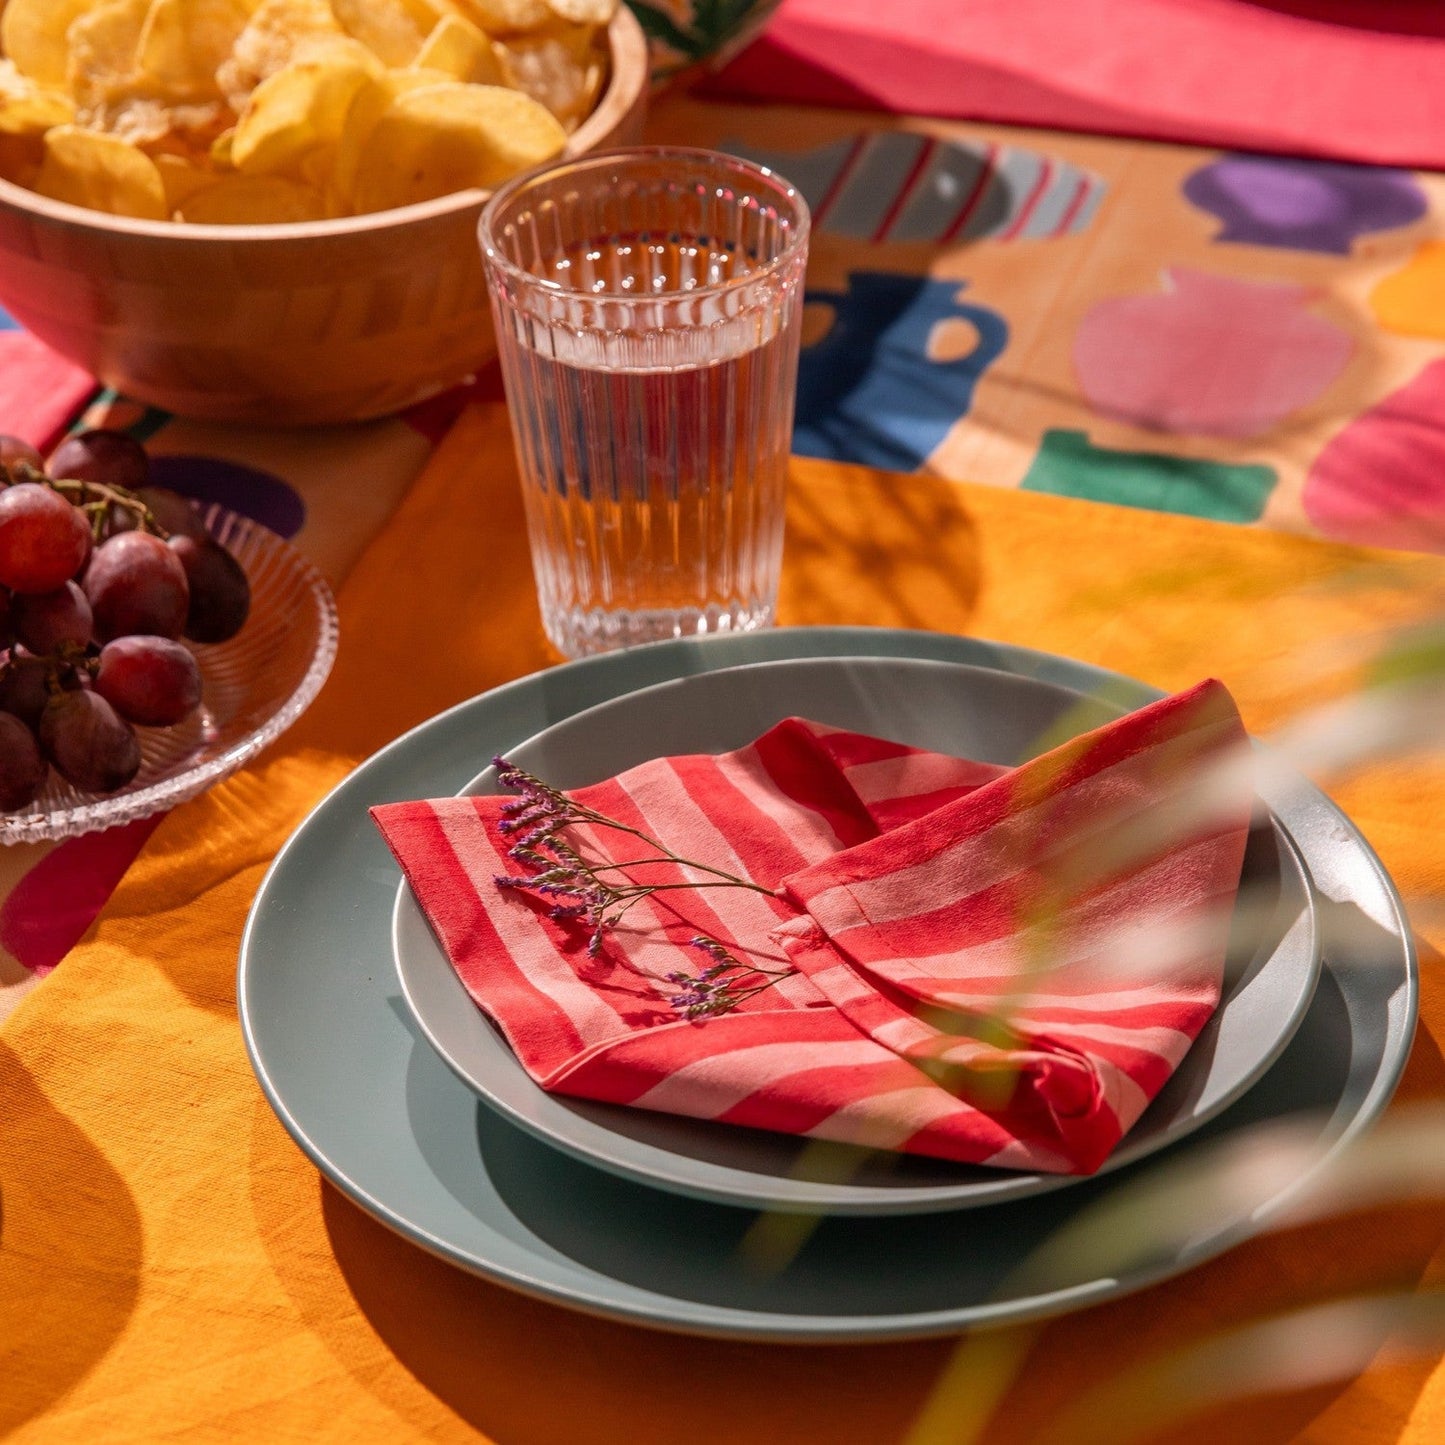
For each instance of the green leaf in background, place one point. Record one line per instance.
(715, 26)
(658, 25)
(1416, 655)
(719, 21)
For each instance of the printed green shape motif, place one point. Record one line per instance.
(1068, 464)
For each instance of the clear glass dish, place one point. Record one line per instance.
(254, 687)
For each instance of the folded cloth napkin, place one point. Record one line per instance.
(916, 952)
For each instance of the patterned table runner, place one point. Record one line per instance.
(1242, 339)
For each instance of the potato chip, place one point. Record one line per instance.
(367, 107)
(195, 126)
(181, 179)
(87, 168)
(438, 139)
(505, 17)
(32, 35)
(316, 169)
(274, 36)
(27, 108)
(584, 12)
(392, 29)
(158, 128)
(560, 69)
(325, 50)
(457, 47)
(138, 120)
(237, 200)
(291, 112)
(103, 44)
(184, 41)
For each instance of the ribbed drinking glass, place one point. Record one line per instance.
(648, 304)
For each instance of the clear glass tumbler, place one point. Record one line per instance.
(648, 304)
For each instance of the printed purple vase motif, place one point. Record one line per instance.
(1209, 355)
(1303, 205)
(259, 495)
(1381, 481)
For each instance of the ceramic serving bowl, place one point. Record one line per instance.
(312, 322)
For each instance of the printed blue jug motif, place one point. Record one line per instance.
(869, 392)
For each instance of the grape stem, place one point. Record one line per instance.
(95, 499)
(65, 663)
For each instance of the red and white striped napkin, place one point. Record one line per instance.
(998, 966)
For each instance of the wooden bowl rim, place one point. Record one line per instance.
(630, 76)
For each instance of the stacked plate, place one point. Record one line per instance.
(386, 1074)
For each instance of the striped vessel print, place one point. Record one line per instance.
(882, 185)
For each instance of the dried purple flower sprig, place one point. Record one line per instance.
(538, 816)
(717, 989)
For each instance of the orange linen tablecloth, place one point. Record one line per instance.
(172, 1267)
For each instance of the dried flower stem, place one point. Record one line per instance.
(540, 814)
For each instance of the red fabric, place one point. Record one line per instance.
(987, 965)
(1351, 79)
(41, 392)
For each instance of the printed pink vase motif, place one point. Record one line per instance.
(1210, 355)
(1381, 481)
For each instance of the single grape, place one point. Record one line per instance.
(43, 539)
(22, 765)
(15, 449)
(136, 583)
(149, 680)
(101, 455)
(220, 594)
(24, 687)
(89, 549)
(45, 622)
(89, 743)
(177, 514)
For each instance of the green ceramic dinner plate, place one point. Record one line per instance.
(369, 1100)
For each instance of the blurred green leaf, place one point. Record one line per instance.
(1415, 655)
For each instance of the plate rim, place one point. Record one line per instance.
(733, 1322)
(727, 1184)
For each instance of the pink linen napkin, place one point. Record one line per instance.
(997, 966)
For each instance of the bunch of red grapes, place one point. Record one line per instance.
(101, 575)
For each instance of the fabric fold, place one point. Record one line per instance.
(984, 964)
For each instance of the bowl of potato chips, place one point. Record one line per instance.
(265, 210)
